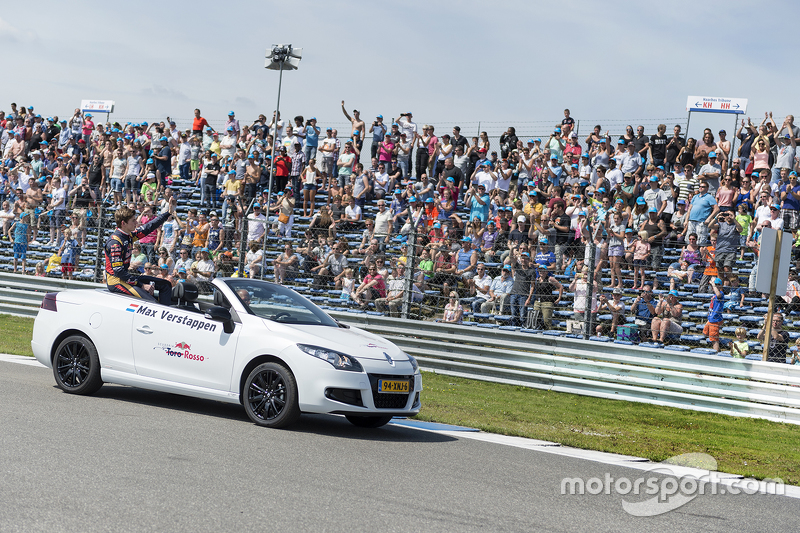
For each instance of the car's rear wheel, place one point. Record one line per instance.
(270, 396)
(368, 421)
(76, 366)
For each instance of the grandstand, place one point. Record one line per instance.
(695, 304)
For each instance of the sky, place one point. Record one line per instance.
(495, 63)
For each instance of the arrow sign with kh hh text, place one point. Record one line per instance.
(716, 104)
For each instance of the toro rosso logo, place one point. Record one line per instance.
(181, 350)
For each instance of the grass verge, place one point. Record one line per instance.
(746, 446)
(15, 335)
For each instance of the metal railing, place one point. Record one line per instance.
(698, 382)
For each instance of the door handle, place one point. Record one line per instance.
(144, 329)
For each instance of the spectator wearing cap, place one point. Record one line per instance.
(499, 290)
(488, 239)
(257, 222)
(545, 258)
(727, 249)
(615, 306)
(666, 324)
(484, 175)
(710, 173)
(702, 210)
(790, 196)
(378, 130)
(227, 143)
(358, 131)
(711, 329)
(232, 122)
(522, 288)
(479, 202)
(466, 261)
(631, 160)
(562, 223)
(657, 147)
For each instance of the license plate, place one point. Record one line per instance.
(392, 386)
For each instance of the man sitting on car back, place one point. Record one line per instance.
(118, 257)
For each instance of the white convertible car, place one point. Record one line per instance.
(251, 342)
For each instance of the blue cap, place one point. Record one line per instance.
(40, 116)
(50, 118)
(543, 240)
(429, 201)
(538, 140)
(681, 201)
(88, 115)
(585, 155)
(256, 205)
(621, 141)
(673, 292)
(793, 173)
(661, 167)
(165, 266)
(530, 141)
(584, 184)
(379, 116)
(526, 254)
(775, 206)
(181, 269)
(398, 191)
(453, 180)
(149, 161)
(436, 225)
(508, 267)
(315, 118)
(164, 138)
(654, 178)
(412, 199)
(628, 230)
(601, 189)
(714, 154)
(231, 172)
(652, 210)
(582, 214)
(574, 165)
(717, 281)
(203, 249)
(144, 123)
(231, 113)
(466, 239)
(640, 201)
(619, 201)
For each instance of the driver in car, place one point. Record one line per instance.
(244, 295)
(117, 252)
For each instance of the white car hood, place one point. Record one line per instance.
(352, 341)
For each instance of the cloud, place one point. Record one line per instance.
(245, 102)
(12, 34)
(159, 91)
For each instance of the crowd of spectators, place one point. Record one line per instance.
(501, 226)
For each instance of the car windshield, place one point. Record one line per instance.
(277, 303)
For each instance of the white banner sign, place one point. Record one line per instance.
(716, 104)
(766, 258)
(98, 106)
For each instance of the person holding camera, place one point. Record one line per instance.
(727, 249)
(378, 131)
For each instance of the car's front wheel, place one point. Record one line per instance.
(368, 421)
(271, 396)
(76, 366)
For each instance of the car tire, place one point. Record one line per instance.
(76, 366)
(270, 396)
(368, 421)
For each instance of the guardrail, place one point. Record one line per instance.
(662, 377)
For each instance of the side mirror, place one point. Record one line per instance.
(220, 314)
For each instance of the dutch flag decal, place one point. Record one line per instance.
(132, 308)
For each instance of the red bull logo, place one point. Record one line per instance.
(183, 346)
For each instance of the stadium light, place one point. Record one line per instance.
(280, 57)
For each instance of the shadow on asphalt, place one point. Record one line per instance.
(328, 425)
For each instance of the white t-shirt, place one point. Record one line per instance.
(256, 226)
(59, 199)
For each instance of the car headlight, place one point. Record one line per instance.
(414, 363)
(338, 360)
